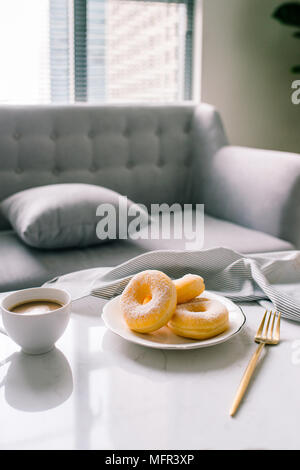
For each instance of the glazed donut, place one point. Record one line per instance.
(199, 319)
(148, 301)
(188, 287)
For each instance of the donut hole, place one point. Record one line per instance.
(147, 299)
(195, 306)
(144, 294)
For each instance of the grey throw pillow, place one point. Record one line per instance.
(70, 215)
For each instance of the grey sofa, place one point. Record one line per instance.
(152, 154)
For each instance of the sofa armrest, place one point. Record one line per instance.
(256, 188)
(208, 133)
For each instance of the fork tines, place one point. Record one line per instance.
(265, 333)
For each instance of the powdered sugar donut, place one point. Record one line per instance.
(200, 318)
(188, 287)
(148, 301)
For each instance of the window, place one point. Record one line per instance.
(95, 50)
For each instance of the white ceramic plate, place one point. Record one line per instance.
(164, 338)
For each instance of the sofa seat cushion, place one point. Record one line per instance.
(22, 266)
(222, 233)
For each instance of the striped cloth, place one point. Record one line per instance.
(275, 277)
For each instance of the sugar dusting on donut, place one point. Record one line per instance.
(200, 318)
(151, 283)
(201, 307)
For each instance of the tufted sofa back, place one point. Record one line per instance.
(145, 152)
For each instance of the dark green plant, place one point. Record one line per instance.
(289, 14)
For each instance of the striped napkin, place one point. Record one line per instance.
(271, 276)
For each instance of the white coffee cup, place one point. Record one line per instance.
(36, 333)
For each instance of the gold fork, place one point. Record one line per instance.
(264, 335)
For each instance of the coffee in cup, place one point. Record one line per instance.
(36, 307)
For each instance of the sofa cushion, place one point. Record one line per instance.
(22, 266)
(65, 215)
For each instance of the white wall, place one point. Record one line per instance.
(246, 61)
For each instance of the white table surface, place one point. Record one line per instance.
(97, 391)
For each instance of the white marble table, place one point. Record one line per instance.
(96, 391)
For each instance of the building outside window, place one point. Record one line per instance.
(64, 51)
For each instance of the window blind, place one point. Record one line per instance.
(96, 50)
(60, 51)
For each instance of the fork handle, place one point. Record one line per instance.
(246, 379)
